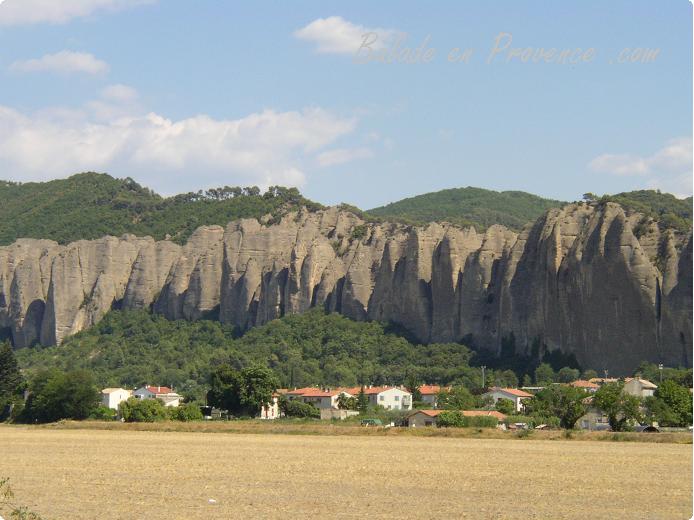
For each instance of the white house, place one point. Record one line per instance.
(112, 397)
(512, 394)
(166, 394)
(271, 411)
(389, 397)
(639, 387)
(323, 399)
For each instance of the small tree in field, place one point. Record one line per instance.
(362, 401)
(143, 410)
(621, 408)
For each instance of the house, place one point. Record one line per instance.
(585, 385)
(512, 394)
(639, 387)
(271, 410)
(429, 417)
(166, 394)
(112, 397)
(389, 397)
(430, 393)
(594, 418)
(323, 399)
(335, 413)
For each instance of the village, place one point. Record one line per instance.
(338, 403)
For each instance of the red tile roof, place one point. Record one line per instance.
(432, 389)
(312, 391)
(466, 413)
(512, 391)
(159, 389)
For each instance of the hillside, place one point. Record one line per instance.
(133, 347)
(666, 209)
(91, 205)
(469, 207)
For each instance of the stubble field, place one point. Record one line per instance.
(109, 474)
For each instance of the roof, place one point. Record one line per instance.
(466, 413)
(372, 390)
(312, 391)
(601, 380)
(111, 390)
(582, 383)
(158, 389)
(644, 382)
(511, 391)
(432, 389)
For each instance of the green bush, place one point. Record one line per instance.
(456, 419)
(143, 410)
(103, 413)
(186, 413)
(299, 409)
(56, 395)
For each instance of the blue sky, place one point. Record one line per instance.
(183, 95)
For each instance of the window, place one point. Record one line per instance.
(397, 398)
(381, 397)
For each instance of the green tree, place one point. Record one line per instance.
(562, 401)
(567, 375)
(345, 402)
(103, 413)
(589, 374)
(244, 392)
(621, 408)
(412, 385)
(187, 412)
(10, 378)
(143, 410)
(362, 401)
(544, 375)
(56, 395)
(505, 406)
(457, 398)
(296, 408)
(678, 401)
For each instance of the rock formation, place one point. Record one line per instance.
(578, 280)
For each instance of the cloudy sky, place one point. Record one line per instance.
(365, 102)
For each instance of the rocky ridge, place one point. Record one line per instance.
(578, 279)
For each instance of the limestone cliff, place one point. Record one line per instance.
(578, 279)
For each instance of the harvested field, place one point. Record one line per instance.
(109, 474)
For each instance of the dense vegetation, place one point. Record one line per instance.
(469, 207)
(91, 205)
(130, 348)
(666, 209)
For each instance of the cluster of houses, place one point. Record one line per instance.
(327, 400)
(112, 397)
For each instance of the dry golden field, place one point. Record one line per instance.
(129, 474)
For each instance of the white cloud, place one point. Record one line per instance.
(18, 12)
(669, 168)
(65, 62)
(335, 35)
(263, 148)
(342, 155)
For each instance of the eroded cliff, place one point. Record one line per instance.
(578, 279)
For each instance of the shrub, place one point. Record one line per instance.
(103, 413)
(59, 395)
(299, 409)
(187, 412)
(456, 419)
(143, 410)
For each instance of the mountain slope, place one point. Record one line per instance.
(469, 207)
(91, 205)
(580, 280)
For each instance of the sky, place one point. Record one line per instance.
(359, 102)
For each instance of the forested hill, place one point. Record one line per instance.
(91, 205)
(469, 207)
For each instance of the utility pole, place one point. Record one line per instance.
(660, 368)
(483, 367)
